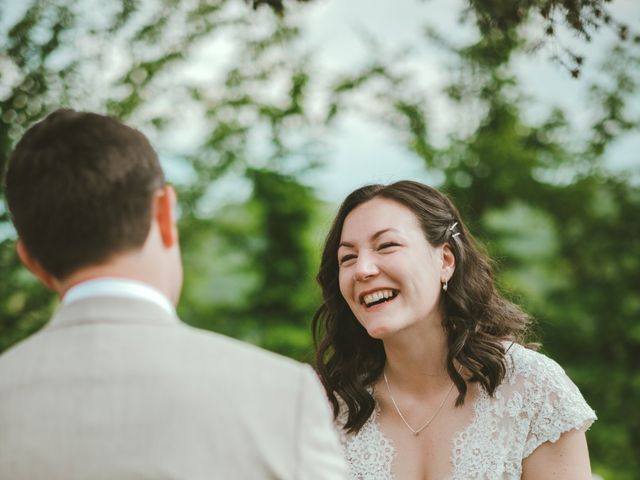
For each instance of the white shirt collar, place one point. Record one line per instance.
(117, 287)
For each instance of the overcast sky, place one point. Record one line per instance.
(362, 152)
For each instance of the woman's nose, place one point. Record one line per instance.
(365, 268)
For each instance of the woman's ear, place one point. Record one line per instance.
(448, 262)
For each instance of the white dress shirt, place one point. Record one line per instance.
(117, 287)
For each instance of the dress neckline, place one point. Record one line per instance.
(458, 437)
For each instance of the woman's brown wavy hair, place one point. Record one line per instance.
(477, 319)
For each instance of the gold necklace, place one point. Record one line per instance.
(428, 422)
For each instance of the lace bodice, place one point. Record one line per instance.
(535, 403)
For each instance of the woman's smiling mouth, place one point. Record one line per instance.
(378, 297)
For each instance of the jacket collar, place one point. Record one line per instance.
(114, 309)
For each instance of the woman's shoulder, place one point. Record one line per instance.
(550, 400)
(534, 372)
(525, 362)
(533, 367)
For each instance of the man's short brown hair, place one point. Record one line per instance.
(79, 188)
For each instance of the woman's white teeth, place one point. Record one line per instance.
(376, 297)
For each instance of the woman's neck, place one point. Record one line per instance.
(417, 360)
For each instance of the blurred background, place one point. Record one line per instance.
(267, 114)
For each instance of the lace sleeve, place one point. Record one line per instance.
(555, 403)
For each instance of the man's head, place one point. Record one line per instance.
(84, 189)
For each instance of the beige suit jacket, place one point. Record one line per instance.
(118, 389)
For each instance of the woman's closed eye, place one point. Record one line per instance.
(387, 245)
(346, 258)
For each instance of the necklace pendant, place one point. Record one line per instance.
(404, 420)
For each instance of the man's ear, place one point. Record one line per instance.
(35, 267)
(165, 210)
(448, 262)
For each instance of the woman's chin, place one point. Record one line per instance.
(379, 332)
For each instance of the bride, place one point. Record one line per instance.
(423, 359)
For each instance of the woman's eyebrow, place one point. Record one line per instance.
(373, 237)
(380, 232)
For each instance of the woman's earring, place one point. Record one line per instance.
(445, 285)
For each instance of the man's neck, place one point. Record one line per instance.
(131, 266)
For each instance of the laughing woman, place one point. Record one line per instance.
(423, 359)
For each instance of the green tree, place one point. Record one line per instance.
(283, 259)
(58, 53)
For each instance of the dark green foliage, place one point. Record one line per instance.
(277, 6)
(24, 305)
(285, 280)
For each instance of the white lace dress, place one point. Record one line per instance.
(535, 403)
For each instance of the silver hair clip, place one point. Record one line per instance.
(451, 229)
